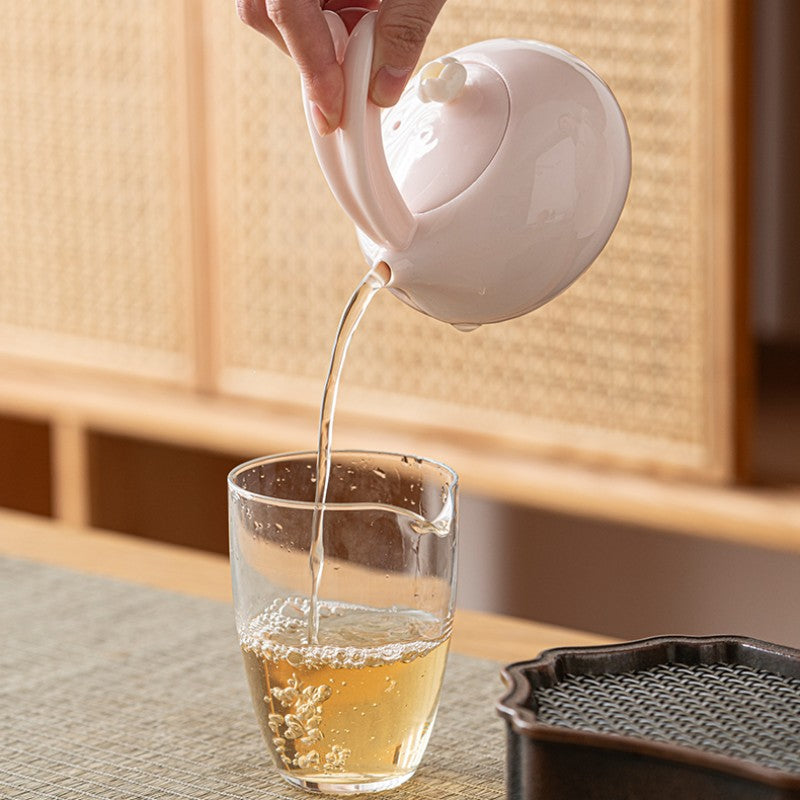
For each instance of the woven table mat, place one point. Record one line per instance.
(112, 690)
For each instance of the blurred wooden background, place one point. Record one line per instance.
(173, 268)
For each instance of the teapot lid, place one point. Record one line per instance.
(437, 146)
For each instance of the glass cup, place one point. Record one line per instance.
(347, 707)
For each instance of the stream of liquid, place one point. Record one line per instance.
(346, 694)
(372, 283)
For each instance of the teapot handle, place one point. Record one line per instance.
(352, 158)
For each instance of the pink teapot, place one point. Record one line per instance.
(491, 186)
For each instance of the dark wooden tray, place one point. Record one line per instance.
(668, 717)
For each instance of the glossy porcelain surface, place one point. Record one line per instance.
(492, 201)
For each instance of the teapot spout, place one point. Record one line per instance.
(383, 272)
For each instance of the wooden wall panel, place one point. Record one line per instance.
(158, 491)
(95, 202)
(163, 216)
(25, 465)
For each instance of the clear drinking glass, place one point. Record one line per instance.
(351, 709)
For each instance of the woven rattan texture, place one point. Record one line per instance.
(624, 353)
(111, 691)
(728, 709)
(94, 201)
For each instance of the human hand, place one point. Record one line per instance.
(298, 27)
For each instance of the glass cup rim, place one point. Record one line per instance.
(310, 504)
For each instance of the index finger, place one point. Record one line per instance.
(302, 25)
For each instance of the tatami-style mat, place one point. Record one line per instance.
(110, 690)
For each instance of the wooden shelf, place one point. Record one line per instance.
(77, 404)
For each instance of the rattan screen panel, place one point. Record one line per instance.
(624, 365)
(94, 204)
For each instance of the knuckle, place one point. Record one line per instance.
(278, 11)
(247, 12)
(315, 83)
(283, 12)
(319, 84)
(406, 34)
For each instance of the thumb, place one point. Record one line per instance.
(400, 33)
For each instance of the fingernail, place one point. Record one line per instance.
(388, 85)
(321, 122)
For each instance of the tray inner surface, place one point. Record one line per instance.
(728, 709)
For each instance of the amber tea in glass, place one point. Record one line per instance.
(346, 704)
